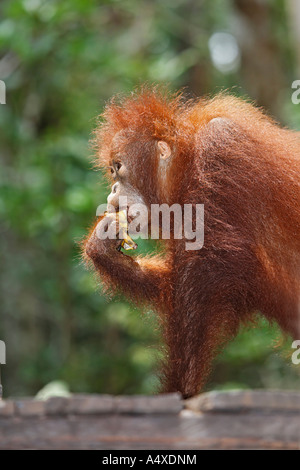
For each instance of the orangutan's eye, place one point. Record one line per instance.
(118, 165)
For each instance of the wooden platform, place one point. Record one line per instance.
(217, 420)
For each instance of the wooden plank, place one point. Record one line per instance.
(238, 400)
(228, 420)
(151, 432)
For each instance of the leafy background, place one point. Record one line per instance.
(61, 60)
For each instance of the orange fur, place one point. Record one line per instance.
(245, 169)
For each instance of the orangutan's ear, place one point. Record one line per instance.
(164, 150)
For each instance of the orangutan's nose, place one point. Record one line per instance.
(114, 188)
(113, 197)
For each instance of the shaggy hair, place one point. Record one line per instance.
(245, 169)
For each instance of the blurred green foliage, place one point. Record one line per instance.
(61, 60)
